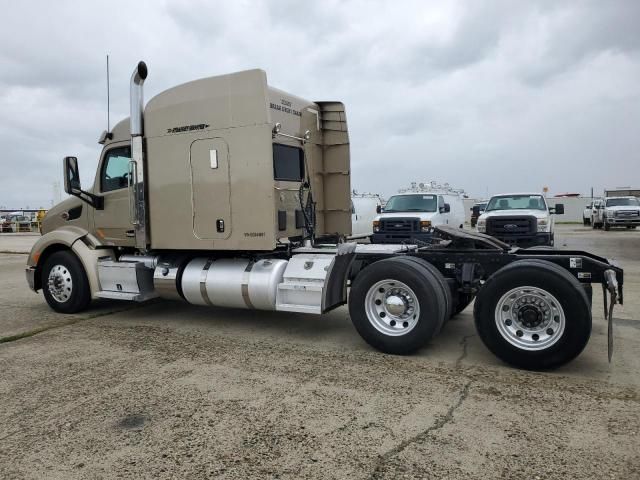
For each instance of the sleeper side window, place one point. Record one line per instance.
(115, 169)
(288, 163)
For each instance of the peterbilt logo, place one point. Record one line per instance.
(510, 226)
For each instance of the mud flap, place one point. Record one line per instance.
(612, 288)
(335, 283)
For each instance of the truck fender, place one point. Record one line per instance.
(73, 238)
(335, 283)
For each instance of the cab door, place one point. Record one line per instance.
(112, 224)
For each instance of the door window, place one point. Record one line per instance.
(115, 169)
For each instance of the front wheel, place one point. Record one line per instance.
(64, 283)
(533, 314)
(607, 227)
(397, 306)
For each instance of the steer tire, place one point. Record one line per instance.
(439, 277)
(542, 276)
(71, 298)
(429, 296)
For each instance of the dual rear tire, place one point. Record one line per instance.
(397, 305)
(531, 314)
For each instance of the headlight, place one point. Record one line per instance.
(376, 226)
(482, 225)
(425, 225)
(543, 225)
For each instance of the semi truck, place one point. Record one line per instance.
(227, 191)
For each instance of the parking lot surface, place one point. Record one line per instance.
(170, 390)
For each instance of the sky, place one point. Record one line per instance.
(489, 96)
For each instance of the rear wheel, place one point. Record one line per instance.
(533, 314)
(444, 285)
(64, 283)
(397, 306)
(607, 227)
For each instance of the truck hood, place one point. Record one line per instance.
(53, 220)
(539, 214)
(419, 215)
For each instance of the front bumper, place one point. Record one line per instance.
(524, 241)
(30, 273)
(382, 237)
(622, 221)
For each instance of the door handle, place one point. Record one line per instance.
(130, 233)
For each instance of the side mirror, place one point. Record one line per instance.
(476, 211)
(378, 209)
(71, 176)
(446, 208)
(559, 209)
(72, 184)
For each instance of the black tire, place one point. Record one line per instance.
(448, 295)
(78, 296)
(585, 221)
(607, 227)
(552, 279)
(429, 296)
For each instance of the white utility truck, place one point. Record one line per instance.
(226, 191)
(410, 216)
(522, 219)
(617, 212)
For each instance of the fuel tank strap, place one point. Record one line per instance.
(245, 284)
(203, 282)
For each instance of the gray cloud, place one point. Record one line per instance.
(489, 96)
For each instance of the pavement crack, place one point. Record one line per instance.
(463, 355)
(66, 323)
(422, 436)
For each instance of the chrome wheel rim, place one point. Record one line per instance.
(530, 318)
(60, 283)
(392, 307)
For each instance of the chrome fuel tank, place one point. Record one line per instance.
(233, 282)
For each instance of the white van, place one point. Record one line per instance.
(364, 208)
(410, 215)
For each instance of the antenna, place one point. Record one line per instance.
(108, 99)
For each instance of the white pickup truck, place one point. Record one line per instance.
(616, 212)
(522, 219)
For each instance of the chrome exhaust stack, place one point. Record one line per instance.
(137, 200)
(137, 98)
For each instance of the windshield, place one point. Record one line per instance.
(411, 203)
(516, 202)
(622, 202)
